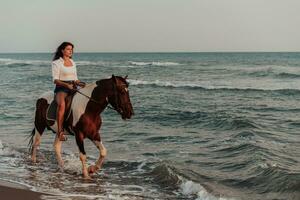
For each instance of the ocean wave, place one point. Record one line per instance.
(279, 75)
(199, 86)
(165, 83)
(157, 139)
(239, 149)
(277, 72)
(189, 188)
(263, 73)
(129, 64)
(167, 117)
(17, 63)
(92, 63)
(268, 178)
(169, 177)
(153, 63)
(125, 64)
(8, 151)
(233, 123)
(20, 63)
(288, 75)
(245, 134)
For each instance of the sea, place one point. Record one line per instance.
(207, 126)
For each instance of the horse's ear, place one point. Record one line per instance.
(126, 77)
(97, 82)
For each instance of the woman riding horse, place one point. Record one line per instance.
(85, 120)
(64, 75)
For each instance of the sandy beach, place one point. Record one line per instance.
(14, 191)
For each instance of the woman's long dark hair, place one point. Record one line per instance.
(59, 49)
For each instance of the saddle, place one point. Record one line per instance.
(51, 111)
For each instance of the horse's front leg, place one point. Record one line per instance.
(82, 155)
(57, 147)
(93, 168)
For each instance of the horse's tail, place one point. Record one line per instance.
(31, 136)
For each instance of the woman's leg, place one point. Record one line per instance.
(60, 99)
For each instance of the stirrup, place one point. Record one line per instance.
(61, 136)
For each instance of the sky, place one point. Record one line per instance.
(150, 25)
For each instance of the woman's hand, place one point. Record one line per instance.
(79, 83)
(70, 86)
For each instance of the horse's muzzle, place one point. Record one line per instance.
(127, 112)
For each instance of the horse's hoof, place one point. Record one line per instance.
(33, 160)
(60, 169)
(61, 163)
(62, 137)
(92, 169)
(87, 177)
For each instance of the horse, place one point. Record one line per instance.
(84, 120)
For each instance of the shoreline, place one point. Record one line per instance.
(9, 190)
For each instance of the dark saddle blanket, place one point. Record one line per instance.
(51, 111)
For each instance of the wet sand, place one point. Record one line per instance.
(17, 192)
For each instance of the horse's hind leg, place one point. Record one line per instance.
(36, 143)
(39, 126)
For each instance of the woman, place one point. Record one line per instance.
(65, 78)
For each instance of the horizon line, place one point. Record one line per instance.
(29, 52)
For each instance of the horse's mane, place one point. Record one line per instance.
(101, 81)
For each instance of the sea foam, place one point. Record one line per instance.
(154, 63)
(189, 188)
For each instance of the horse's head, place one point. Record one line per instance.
(120, 99)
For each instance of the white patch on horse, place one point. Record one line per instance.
(54, 126)
(49, 96)
(79, 102)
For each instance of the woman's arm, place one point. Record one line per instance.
(55, 72)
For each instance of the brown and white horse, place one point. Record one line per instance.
(85, 120)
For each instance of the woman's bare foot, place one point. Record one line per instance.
(62, 136)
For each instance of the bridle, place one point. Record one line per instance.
(116, 95)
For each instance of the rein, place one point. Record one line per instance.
(93, 100)
(115, 91)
